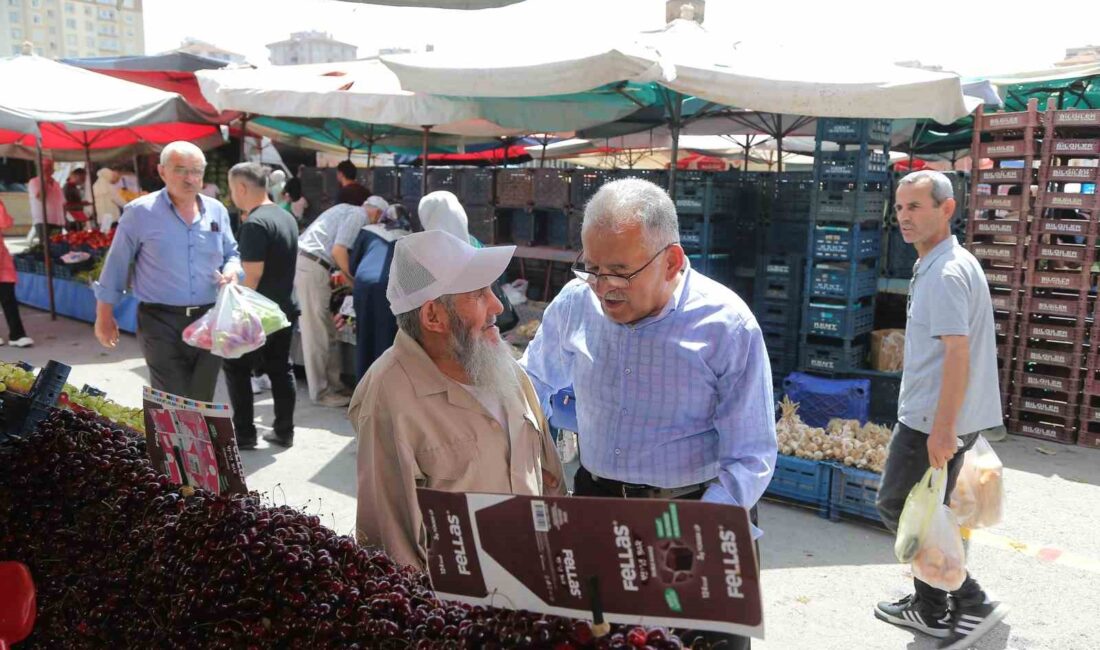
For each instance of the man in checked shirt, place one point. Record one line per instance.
(673, 383)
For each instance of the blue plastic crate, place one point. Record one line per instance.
(853, 492)
(843, 281)
(386, 182)
(854, 166)
(716, 266)
(557, 227)
(443, 179)
(475, 186)
(845, 244)
(839, 321)
(481, 220)
(786, 237)
(803, 481)
(851, 206)
(854, 130)
(692, 230)
(821, 399)
(778, 316)
(563, 410)
(528, 227)
(841, 356)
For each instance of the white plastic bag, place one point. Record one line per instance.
(978, 499)
(238, 323)
(929, 536)
(921, 503)
(516, 292)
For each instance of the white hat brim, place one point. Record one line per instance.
(483, 269)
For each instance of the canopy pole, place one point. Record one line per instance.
(542, 158)
(424, 161)
(42, 188)
(748, 145)
(677, 101)
(88, 176)
(370, 145)
(244, 136)
(779, 144)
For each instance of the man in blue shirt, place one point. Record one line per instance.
(182, 250)
(673, 383)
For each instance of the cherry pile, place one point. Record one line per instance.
(122, 558)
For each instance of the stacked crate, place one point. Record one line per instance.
(1051, 358)
(711, 227)
(851, 191)
(777, 301)
(515, 198)
(1089, 433)
(475, 193)
(1001, 202)
(786, 207)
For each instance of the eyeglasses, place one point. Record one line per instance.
(184, 171)
(614, 280)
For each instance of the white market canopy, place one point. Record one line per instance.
(367, 91)
(688, 59)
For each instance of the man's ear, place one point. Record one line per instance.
(675, 261)
(948, 206)
(433, 318)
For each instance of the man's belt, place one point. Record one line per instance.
(325, 264)
(196, 310)
(638, 491)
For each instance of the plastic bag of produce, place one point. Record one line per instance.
(237, 324)
(978, 499)
(941, 559)
(923, 500)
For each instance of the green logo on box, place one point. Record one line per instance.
(673, 600)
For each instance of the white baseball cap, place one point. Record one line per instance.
(435, 263)
(376, 201)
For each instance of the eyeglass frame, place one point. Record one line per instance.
(593, 279)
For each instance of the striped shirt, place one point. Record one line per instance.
(677, 399)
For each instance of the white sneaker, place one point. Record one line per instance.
(257, 385)
(24, 342)
(1, 341)
(264, 382)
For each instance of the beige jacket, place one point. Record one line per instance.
(418, 428)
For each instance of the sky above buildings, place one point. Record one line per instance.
(969, 38)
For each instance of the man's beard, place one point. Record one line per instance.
(488, 364)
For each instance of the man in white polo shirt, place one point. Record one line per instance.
(950, 394)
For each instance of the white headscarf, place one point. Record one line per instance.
(442, 211)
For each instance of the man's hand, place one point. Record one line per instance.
(106, 329)
(549, 480)
(942, 446)
(229, 277)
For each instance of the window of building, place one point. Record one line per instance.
(90, 41)
(49, 13)
(108, 44)
(89, 26)
(129, 18)
(88, 11)
(70, 23)
(15, 17)
(70, 40)
(16, 49)
(15, 3)
(36, 3)
(53, 30)
(70, 8)
(130, 33)
(17, 32)
(127, 4)
(106, 2)
(36, 19)
(106, 14)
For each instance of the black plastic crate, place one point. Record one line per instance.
(528, 228)
(551, 188)
(696, 192)
(854, 130)
(443, 180)
(852, 206)
(716, 266)
(885, 388)
(583, 183)
(515, 188)
(900, 255)
(778, 316)
(854, 166)
(482, 223)
(475, 186)
(576, 220)
(842, 321)
(386, 182)
(779, 277)
(839, 357)
(843, 281)
(785, 237)
(655, 176)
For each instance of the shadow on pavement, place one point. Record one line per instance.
(338, 474)
(1070, 462)
(797, 538)
(996, 639)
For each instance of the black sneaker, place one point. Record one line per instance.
(908, 612)
(972, 622)
(276, 439)
(245, 444)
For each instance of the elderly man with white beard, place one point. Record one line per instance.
(447, 407)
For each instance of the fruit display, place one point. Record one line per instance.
(122, 558)
(92, 240)
(846, 441)
(15, 378)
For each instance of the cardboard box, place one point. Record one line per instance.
(887, 350)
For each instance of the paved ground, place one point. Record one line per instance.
(820, 578)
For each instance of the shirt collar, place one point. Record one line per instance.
(676, 302)
(939, 250)
(172, 206)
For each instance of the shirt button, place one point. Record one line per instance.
(624, 411)
(618, 451)
(627, 371)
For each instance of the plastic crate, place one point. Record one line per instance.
(850, 206)
(475, 186)
(695, 191)
(655, 176)
(854, 166)
(854, 131)
(854, 493)
(576, 221)
(481, 220)
(821, 399)
(515, 188)
(386, 182)
(528, 228)
(843, 281)
(557, 227)
(900, 255)
(885, 388)
(832, 358)
(551, 188)
(785, 237)
(583, 184)
(846, 244)
(716, 266)
(839, 321)
(802, 481)
(779, 277)
(692, 231)
(443, 180)
(778, 316)
(411, 188)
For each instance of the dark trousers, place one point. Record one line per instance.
(11, 311)
(585, 486)
(906, 463)
(174, 366)
(273, 359)
(45, 231)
